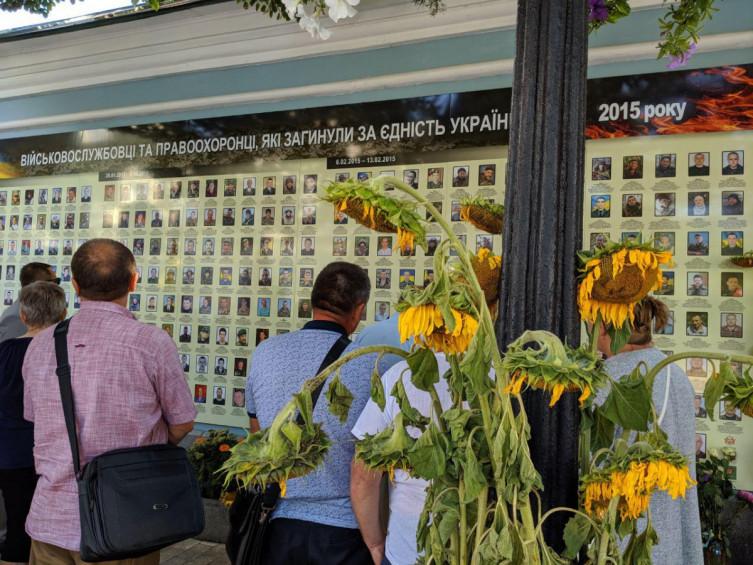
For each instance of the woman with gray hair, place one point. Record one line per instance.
(42, 304)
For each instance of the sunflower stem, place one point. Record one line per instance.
(482, 502)
(463, 535)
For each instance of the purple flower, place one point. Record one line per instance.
(677, 61)
(597, 11)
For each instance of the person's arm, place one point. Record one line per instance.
(364, 496)
(176, 432)
(173, 394)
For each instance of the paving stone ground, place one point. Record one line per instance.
(194, 552)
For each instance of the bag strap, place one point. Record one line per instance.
(63, 372)
(272, 491)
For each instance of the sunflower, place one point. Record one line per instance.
(488, 269)
(556, 389)
(369, 206)
(551, 366)
(616, 279)
(634, 482)
(426, 323)
(484, 214)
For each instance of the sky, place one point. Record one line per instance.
(63, 11)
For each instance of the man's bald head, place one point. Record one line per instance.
(103, 270)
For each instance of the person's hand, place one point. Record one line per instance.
(377, 553)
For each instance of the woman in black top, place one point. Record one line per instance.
(42, 304)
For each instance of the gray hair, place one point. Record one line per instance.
(42, 303)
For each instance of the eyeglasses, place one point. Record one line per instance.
(56, 280)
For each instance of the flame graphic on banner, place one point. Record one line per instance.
(732, 111)
(614, 130)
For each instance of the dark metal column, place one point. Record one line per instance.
(543, 209)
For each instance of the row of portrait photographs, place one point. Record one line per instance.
(241, 306)
(697, 325)
(271, 185)
(44, 196)
(666, 205)
(697, 243)
(665, 165)
(219, 395)
(359, 246)
(726, 410)
(244, 216)
(698, 283)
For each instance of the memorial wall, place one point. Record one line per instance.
(226, 220)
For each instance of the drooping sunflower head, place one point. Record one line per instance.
(540, 360)
(616, 278)
(431, 329)
(483, 213)
(366, 203)
(488, 269)
(634, 477)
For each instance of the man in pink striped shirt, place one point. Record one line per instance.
(128, 386)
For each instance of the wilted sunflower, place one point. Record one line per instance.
(426, 323)
(616, 278)
(551, 366)
(634, 482)
(488, 269)
(483, 213)
(367, 205)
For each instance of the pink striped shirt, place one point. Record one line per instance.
(128, 385)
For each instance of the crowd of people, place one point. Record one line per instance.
(130, 391)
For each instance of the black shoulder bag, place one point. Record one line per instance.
(131, 501)
(252, 509)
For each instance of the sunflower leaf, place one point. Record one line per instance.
(629, 402)
(428, 456)
(377, 390)
(424, 369)
(339, 398)
(473, 474)
(411, 415)
(576, 534)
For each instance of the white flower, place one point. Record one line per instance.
(340, 9)
(311, 23)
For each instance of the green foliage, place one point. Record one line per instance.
(629, 402)
(679, 27)
(207, 454)
(339, 398)
(730, 388)
(424, 369)
(714, 488)
(377, 390)
(282, 451)
(388, 449)
(682, 24)
(273, 8)
(577, 532)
